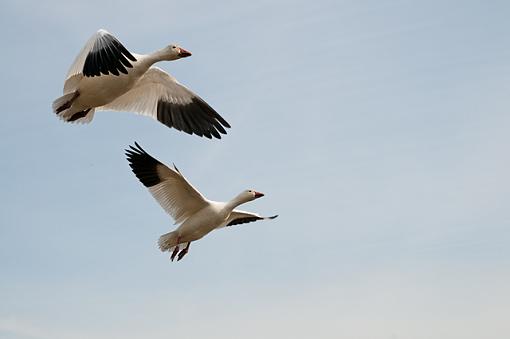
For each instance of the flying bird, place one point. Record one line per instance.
(106, 76)
(195, 214)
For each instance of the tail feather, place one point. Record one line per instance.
(168, 241)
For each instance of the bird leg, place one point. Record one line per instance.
(67, 104)
(79, 115)
(174, 253)
(183, 252)
(176, 249)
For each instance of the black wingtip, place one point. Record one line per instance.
(176, 168)
(273, 217)
(195, 118)
(107, 56)
(143, 165)
(139, 147)
(133, 152)
(129, 152)
(136, 149)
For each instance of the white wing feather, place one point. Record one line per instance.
(176, 195)
(153, 86)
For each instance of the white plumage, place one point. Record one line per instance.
(196, 215)
(106, 76)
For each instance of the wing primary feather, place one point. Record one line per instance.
(192, 123)
(179, 117)
(209, 110)
(123, 49)
(124, 61)
(170, 188)
(243, 220)
(106, 56)
(143, 165)
(113, 62)
(247, 219)
(159, 95)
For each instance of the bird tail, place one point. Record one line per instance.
(168, 241)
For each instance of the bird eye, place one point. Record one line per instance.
(173, 47)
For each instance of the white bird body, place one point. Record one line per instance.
(106, 76)
(196, 215)
(99, 91)
(213, 216)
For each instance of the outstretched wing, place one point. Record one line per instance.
(168, 186)
(160, 96)
(102, 54)
(241, 217)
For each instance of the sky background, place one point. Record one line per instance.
(378, 130)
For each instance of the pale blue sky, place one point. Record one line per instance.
(379, 132)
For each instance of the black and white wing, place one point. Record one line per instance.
(160, 96)
(168, 186)
(103, 54)
(241, 217)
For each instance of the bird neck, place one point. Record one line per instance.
(160, 55)
(238, 200)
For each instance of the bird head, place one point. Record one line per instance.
(174, 52)
(252, 194)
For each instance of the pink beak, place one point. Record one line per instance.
(258, 195)
(184, 53)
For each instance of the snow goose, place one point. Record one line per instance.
(106, 76)
(196, 215)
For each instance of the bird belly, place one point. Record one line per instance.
(99, 91)
(199, 225)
